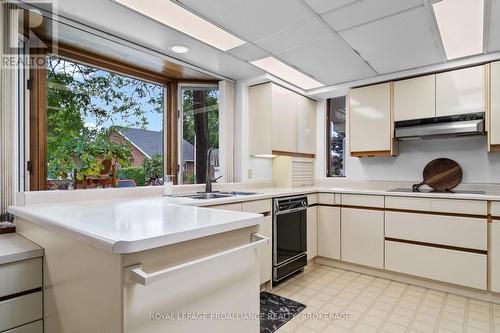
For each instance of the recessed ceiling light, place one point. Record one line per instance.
(287, 73)
(173, 15)
(460, 24)
(179, 49)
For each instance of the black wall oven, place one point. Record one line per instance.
(289, 236)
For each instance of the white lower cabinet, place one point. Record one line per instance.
(34, 327)
(471, 233)
(216, 275)
(495, 256)
(20, 310)
(457, 267)
(329, 232)
(312, 232)
(363, 237)
(265, 251)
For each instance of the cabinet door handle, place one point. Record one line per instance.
(135, 274)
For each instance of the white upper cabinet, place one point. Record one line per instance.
(371, 123)
(284, 119)
(281, 121)
(415, 98)
(306, 125)
(460, 92)
(260, 124)
(494, 128)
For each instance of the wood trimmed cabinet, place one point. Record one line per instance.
(329, 232)
(362, 238)
(371, 126)
(374, 109)
(281, 122)
(494, 103)
(460, 91)
(440, 235)
(415, 98)
(495, 256)
(312, 232)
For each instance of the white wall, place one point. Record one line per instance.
(470, 152)
(477, 164)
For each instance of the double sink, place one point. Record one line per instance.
(213, 195)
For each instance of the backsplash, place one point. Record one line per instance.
(478, 165)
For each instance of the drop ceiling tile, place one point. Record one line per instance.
(329, 60)
(249, 52)
(251, 20)
(396, 43)
(294, 36)
(322, 6)
(366, 11)
(494, 29)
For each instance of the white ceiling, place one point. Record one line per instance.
(116, 22)
(333, 41)
(337, 41)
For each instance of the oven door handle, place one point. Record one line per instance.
(290, 211)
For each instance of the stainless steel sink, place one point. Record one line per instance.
(238, 194)
(212, 195)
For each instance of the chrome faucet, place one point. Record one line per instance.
(212, 160)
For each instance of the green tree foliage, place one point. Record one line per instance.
(78, 94)
(153, 168)
(137, 174)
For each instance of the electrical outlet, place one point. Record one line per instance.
(249, 173)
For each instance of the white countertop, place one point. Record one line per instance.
(125, 224)
(133, 225)
(14, 247)
(267, 193)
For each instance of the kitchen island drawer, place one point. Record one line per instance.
(20, 310)
(34, 327)
(457, 267)
(20, 276)
(435, 205)
(456, 231)
(256, 206)
(363, 200)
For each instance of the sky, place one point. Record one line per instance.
(154, 119)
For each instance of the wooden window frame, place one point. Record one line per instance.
(38, 107)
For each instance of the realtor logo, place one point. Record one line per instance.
(28, 32)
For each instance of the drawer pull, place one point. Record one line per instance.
(138, 275)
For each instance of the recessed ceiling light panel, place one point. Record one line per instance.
(460, 24)
(287, 73)
(179, 49)
(173, 15)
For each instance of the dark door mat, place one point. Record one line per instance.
(276, 311)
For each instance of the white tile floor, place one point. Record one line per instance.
(380, 305)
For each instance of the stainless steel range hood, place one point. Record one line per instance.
(442, 127)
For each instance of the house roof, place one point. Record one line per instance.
(151, 142)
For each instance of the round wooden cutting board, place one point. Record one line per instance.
(441, 174)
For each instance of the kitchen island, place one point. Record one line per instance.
(144, 265)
